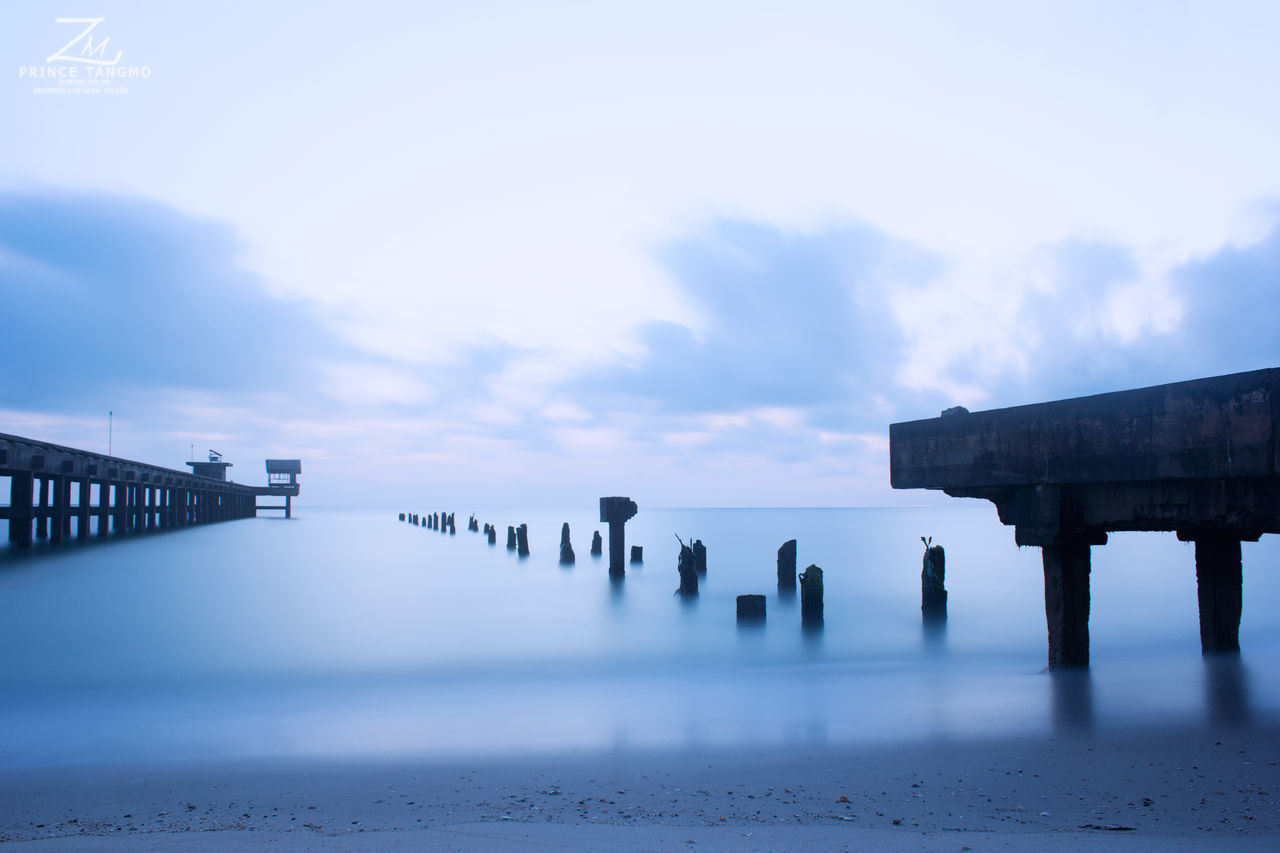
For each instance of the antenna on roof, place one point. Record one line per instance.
(215, 456)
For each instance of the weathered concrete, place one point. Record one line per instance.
(1219, 589)
(933, 576)
(1200, 458)
(616, 512)
(787, 565)
(751, 608)
(58, 492)
(687, 567)
(811, 607)
(567, 557)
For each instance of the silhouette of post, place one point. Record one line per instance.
(699, 557)
(511, 537)
(616, 512)
(522, 540)
(21, 485)
(566, 547)
(493, 535)
(597, 544)
(688, 572)
(1219, 591)
(933, 591)
(787, 565)
(811, 596)
(637, 554)
(751, 608)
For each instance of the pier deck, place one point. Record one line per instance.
(1200, 458)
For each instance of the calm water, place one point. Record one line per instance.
(349, 633)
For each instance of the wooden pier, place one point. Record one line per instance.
(59, 493)
(1199, 458)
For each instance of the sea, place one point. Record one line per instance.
(349, 634)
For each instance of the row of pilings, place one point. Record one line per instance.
(58, 494)
(691, 563)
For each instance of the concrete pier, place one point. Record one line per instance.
(57, 493)
(1199, 458)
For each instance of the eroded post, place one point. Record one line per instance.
(1066, 602)
(787, 565)
(566, 547)
(933, 590)
(1220, 590)
(21, 484)
(522, 540)
(616, 512)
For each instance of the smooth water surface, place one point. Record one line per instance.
(347, 632)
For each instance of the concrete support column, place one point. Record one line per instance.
(120, 507)
(20, 487)
(1066, 603)
(83, 508)
(44, 499)
(288, 506)
(1220, 588)
(104, 508)
(60, 508)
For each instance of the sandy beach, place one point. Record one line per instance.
(1176, 789)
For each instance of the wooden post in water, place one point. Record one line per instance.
(522, 540)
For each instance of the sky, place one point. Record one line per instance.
(701, 254)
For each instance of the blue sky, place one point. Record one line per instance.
(702, 254)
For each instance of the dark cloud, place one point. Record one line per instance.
(784, 319)
(107, 295)
(1232, 302)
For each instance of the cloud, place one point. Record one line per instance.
(112, 295)
(782, 320)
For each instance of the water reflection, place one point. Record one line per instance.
(935, 636)
(812, 633)
(1072, 700)
(1226, 688)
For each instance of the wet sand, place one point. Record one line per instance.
(1171, 789)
